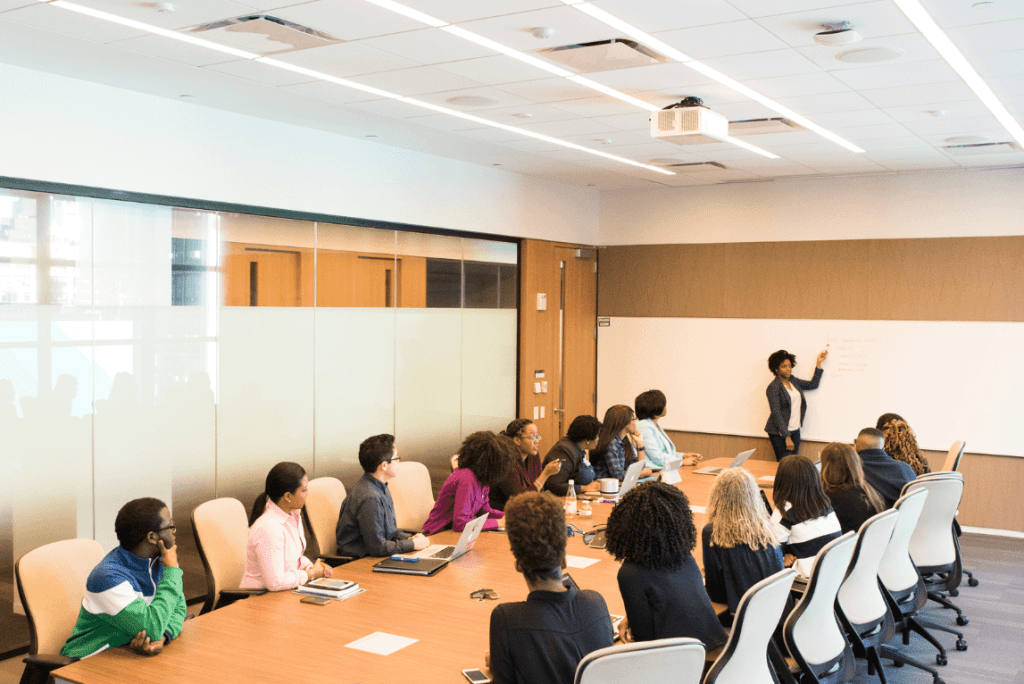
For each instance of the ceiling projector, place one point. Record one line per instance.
(689, 122)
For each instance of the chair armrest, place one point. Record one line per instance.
(48, 662)
(229, 596)
(335, 561)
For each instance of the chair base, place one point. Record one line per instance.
(899, 660)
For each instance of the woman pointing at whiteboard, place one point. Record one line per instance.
(786, 402)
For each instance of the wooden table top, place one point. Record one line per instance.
(275, 637)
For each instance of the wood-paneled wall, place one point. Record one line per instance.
(945, 279)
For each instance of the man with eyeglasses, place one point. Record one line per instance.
(134, 597)
(366, 524)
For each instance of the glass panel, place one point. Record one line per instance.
(356, 267)
(267, 261)
(488, 369)
(444, 284)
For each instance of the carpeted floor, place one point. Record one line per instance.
(995, 635)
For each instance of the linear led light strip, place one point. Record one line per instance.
(244, 54)
(669, 51)
(924, 22)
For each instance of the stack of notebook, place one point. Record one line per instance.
(330, 588)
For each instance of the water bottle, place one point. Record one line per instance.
(570, 500)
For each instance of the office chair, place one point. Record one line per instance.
(323, 506)
(413, 495)
(680, 661)
(903, 582)
(51, 584)
(221, 529)
(745, 659)
(934, 546)
(952, 464)
(813, 634)
(453, 463)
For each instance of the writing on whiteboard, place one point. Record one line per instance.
(849, 355)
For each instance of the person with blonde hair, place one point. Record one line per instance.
(740, 546)
(901, 444)
(853, 499)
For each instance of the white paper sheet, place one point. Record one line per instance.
(381, 643)
(766, 478)
(697, 509)
(580, 561)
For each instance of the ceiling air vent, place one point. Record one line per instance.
(983, 148)
(763, 126)
(696, 168)
(265, 34)
(603, 55)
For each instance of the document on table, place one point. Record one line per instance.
(766, 478)
(381, 643)
(580, 561)
(697, 509)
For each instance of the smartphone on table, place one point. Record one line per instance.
(476, 677)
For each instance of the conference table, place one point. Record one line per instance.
(276, 638)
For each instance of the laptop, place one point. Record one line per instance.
(740, 459)
(628, 482)
(450, 553)
(670, 473)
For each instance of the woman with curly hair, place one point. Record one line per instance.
(651, 531)
(740, 547)
(853, 499)
(803, 518)
(901, 444)
(786, 405)
(543, 638)
(528, 474)
(484, 459)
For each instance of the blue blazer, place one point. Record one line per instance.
(780, 405)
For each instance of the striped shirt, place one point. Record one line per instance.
(804, 539)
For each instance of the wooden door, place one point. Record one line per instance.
(578, 391)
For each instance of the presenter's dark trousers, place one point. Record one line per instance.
(779, 445)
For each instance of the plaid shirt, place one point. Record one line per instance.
(612, 463)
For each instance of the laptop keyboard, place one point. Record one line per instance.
(444, 553)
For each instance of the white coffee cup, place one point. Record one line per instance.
(609, 485)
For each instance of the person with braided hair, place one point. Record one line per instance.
(901, 444)
(652, 532)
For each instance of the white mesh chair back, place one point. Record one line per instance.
(860, 596)
(680, 661)
(956, 452)
(51, 583)
(323, 505)
(897, 570)
(413, 495)
(745, 657)
(932, 543)
(812, 629)
(222, 529)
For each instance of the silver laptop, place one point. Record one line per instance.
(628, 482)
(465, 545)
(740, 459)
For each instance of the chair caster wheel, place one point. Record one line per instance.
(972, 582)
(941, 660)
(961, 645)
(954, 592)
(938, 681)
(897, 664)
(962, 620)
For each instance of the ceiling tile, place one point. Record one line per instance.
(860, 117)
(444, 122)
(777, 142)
(610, 140)
(347, 59)
(897, 74)
(760, 8)
(394, 108)
(260, 73)
(927, 94)
(457, 11)
(818, 147)
(914, 45)
(1007, 86)
(497, 135)
(893, 143)
(504, 100)
(331, 92)
(495, 70)
(719, 40)
(348, 19)
(533, 145)
(957, 126)
(797, 86)
(640, 121)
(67, 23)
(981, 39)
(954, 13)
(999, 64)
(713, 95)
(14, 4)
(270, 4)
(174, 50)
(415, 81)
(186, 12)
(763, 65)
(869, 19)
(664, 15)
(571, 27)
(855, 133)
(653, 77)
(811, 105)
(595, 106)
(847, 164)
(964, 108)
(549, 90)
(745, 111)
(429, 46)
(560, 129)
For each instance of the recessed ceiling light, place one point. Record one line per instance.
(186, 96)
(938, 112)
(164, 7)
(968, 139)
(837, 33)
(370, 135)
(472, 101)
(870, 55)
(603, 141)
(983, 5)
(523, 115)
(542, 32)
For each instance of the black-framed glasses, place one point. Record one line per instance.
(172, 527)
(395, 459)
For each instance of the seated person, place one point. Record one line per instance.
(651, 531)
(484, 459)
(618, 444)
(803, 518)
(573, 451)
(882, 471)
(366, 524)
(651, 406)
(273, 554)
(901, 444)
(853, 499)
(527, 475)
(543, 638)
(134, 597)
(740, 547)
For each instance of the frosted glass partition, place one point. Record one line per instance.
(180, 353)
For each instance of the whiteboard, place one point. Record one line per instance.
(950, 380)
